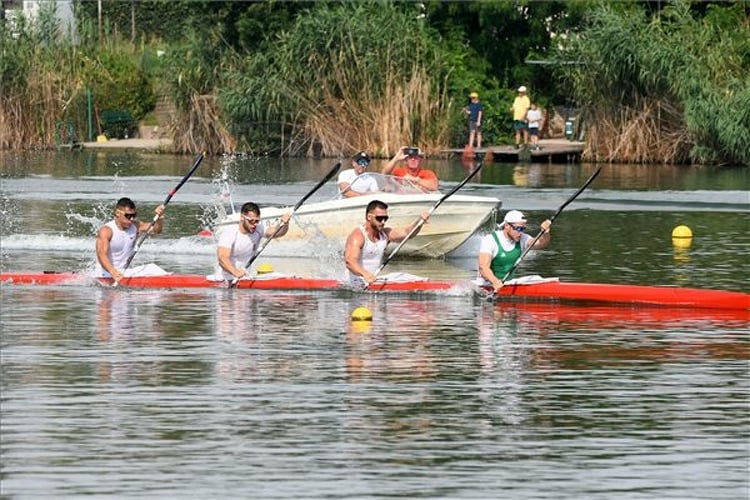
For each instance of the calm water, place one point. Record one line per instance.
(243, 394)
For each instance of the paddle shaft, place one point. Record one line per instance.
(145, 233)
(421, 221)
(319, 185)
(552, 219)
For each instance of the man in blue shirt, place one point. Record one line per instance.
(474, 110)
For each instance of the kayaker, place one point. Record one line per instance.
(365, 245)
(354, 181)
(237, 244)
(115, 241)
(511, 237)
(425, 180)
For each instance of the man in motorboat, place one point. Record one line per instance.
(355, 181)
(365, 245)
(239, 243)
(500, 250)
(115, 241)
(412, 171)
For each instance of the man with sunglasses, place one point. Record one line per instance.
(365, 245)
(499, 250)
(238, 244)
(425, 180)
(354, 181)
(116, 240)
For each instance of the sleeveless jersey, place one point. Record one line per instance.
(371, 255)
(504, 260)
(120, 246)
(243, 246)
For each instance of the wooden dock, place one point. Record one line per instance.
(550, 151)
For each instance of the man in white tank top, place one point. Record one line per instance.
(238, 244)
(115, 241)
(365, 245)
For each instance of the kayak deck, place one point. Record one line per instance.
(553, 290)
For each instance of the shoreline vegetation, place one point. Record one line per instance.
(644, 82)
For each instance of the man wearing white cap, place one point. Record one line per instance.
(521, 105)
(500, 250)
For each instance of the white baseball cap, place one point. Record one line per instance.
(514, 217)
(522, 88)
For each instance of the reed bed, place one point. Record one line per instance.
(664, 88)
(340, 82)
(653, 133)
(198, 128)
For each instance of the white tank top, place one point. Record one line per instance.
(120, 246)
(371, 256)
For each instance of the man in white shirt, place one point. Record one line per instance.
(354, 181)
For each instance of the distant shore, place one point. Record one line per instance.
(162, 144)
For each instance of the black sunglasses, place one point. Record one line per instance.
(381, 218)
(130, 216)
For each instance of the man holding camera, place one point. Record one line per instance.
(424, 179)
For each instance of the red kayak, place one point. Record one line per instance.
(551, 290)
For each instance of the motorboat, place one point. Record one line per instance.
(454, 222)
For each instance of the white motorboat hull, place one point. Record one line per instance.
(455, 220)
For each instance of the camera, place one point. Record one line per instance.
(411, 151)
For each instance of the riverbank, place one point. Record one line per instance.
(158, 145)
(549, 149)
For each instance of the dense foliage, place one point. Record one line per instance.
(671, 87)
(655, 81)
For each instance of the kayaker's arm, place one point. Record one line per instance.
(544, 240)
(352, 252)
(103, 239)
(157, 225)
(224, 255)
(485, 271)
(399, 233)
(282, 227)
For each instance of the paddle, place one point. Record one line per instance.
(420, 223)
(552, 219)
(320, 184)
(145, 233)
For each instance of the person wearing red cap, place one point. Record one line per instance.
(423, 179)
(499, 250)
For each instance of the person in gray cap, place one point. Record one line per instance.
(354, 181)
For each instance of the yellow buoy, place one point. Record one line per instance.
(361, 314)
(265, 268)
(682, 237)
(682, 232)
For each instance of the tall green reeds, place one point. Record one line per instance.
(46, 73)
(671, 87)
(195, 69)
(344, 78)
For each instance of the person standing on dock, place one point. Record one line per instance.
(365, 245)
(354, 181)
(423, 179)
(115, 241)
(499, 250)
(534, 118)
(521, 105)
(474, 109)
(238, 244)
